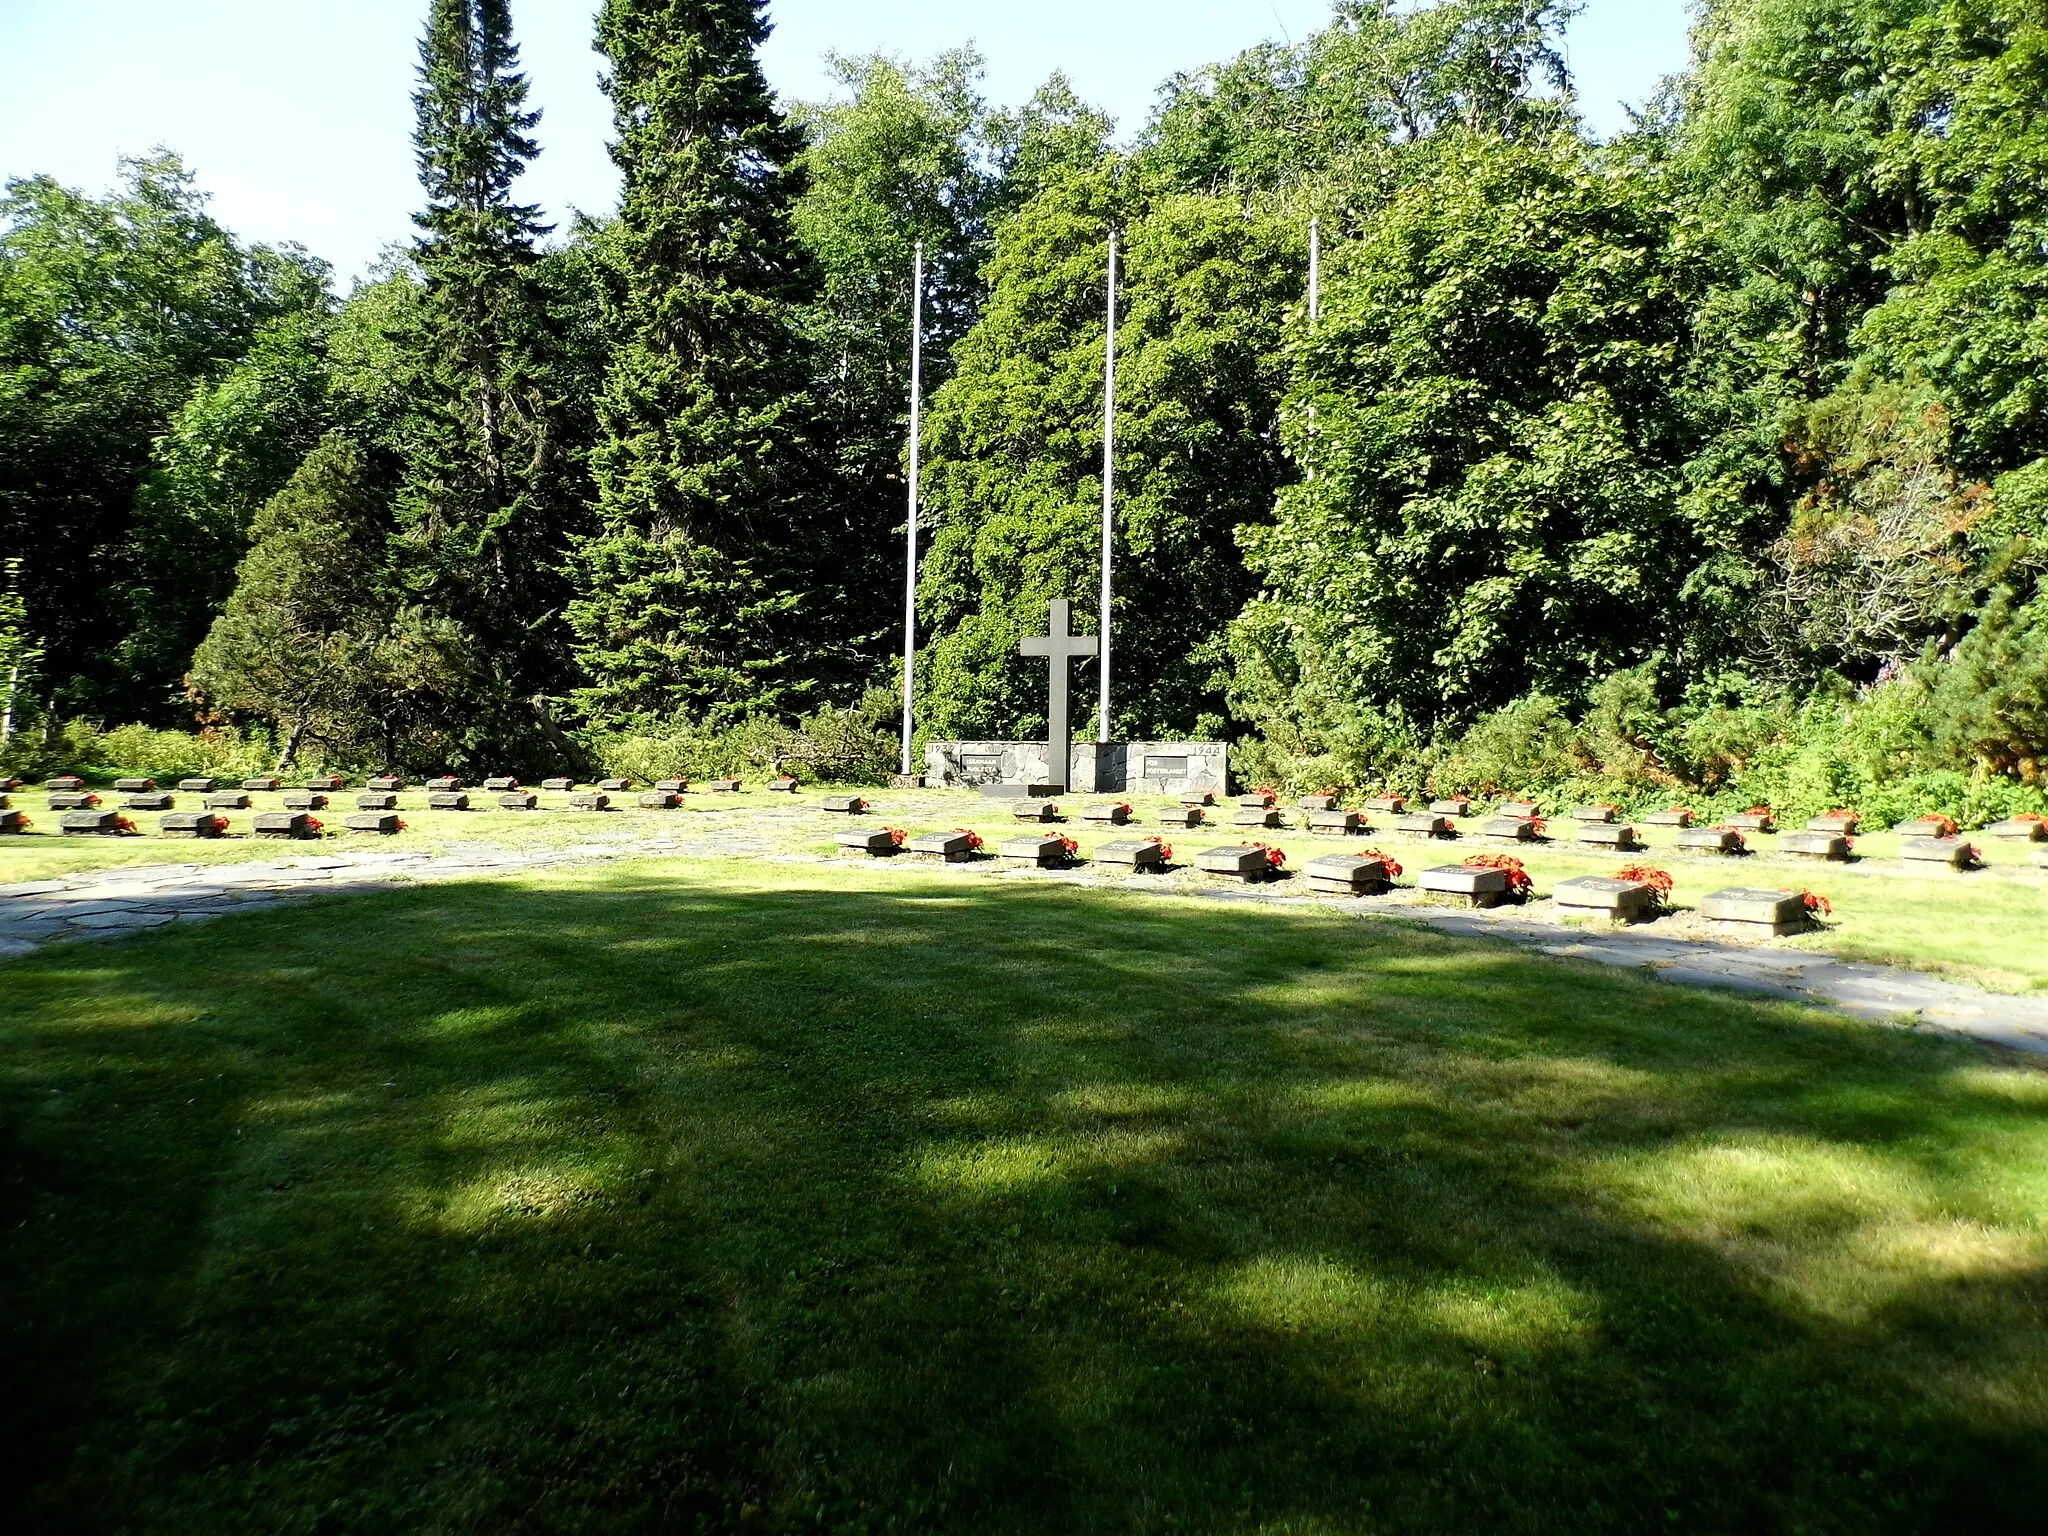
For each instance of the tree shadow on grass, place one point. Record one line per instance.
(627, 1202)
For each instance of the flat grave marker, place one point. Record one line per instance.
(377, 823)
(595, 800)
(558, 786)
(91, 824)
(518, 800)
(1036, 810)
(1815, 845)
(1184, 816)
(1258, 799)
(725, 786)
(1201, 799)
(500, 785)
(446, 784)
(135, 786)
(227, 800)
(286, 824)
(198, 786)
(1335, 823)
(955, 847)
(782, 786)
(1601, 834)
(1140, 855)
(1509, 829)
(1459, 886)
(388, 783)
(1926, 826)
(448, 800)
(1043, 852)
(1521, 808)
(65, 784)
(1596, 813)
(1256, 816)
(1619, 901)
(1250, 862)
(1425, 824)
(876, 843)
(844, 805)
(263, 784)
(1675, 816)
(326, 782)
(154, 800)
(1721, 840)
(2026, 829)
(1759, 820)
(615, 786)
(1351, 874)
(79, 800)
(1941, 852)
(1324, 802)
(1840, 823)
(14, 823)
(201, 824)
(1116, 815)
(1388, 805)
(671, 786)
(1750, 913)
(1455, 805)
(304, 800)
(368, 801)
(659, 800)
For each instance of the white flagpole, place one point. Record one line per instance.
(1315, 269)
(910, 539)
(1108, 487)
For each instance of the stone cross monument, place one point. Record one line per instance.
(1060, 649)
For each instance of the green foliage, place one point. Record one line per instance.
(691, 594)
(1988, 701)
(856, 745)
(112, 311)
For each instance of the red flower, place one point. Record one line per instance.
(313, 824)
(92, 802)
(1972, 856)
(1393, 868)
(401, 826)
(896, 835)
(1273, 855)
(1122, 805)
(1758, 810)
(1165, 849)
(1519, 883)
(1537, 825)
(1604, 806)
(1331, 790)
(1265, 789)
(1943, 826)
(973, 838)
(1681, 810)
(123, 824)
(1069, 847)
(1838, 811)
(219, 824)
(1659, 881)
(1816, 905)
(1740, 840)
(26, 825)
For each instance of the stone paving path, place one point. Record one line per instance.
(110, 903)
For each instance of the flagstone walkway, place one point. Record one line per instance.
(111, 903)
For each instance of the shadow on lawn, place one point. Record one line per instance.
(633, 1204)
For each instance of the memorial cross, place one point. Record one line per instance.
(1060, 649)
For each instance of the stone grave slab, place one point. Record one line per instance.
(198, 786)
(1676, 816)
(559, 786)
(782, 786)
(1117, 815)
(135, 786)
(1840, 823)
(13, 822)
(1619, 901)
(90, 823)
(944, 847)
(1596, 813)
(446, 784)
(844, 805)
(1926, 826)
(1815, 845)
(1348, 874)
(518, 800)
(1185, 816)
(1425, 824)
(1754, 821)
(877, 843)
(1757, 913)
(1725, 840)
(65, 784)
(2025, 829)
(1335, 823)
(615, 786)
(61, 800)
(1258, 799)
(304, 800)
(671, 786)
(594, 801)
(447, 800)
(1044, 852)
(1388, 805)
(379, 823)
(1942, 852)
(1601, 834)
(1316, 803)
(1035, 810)
(1240, 863)
(8, 784)
(154, 800)
(6, 803)
(327, 783)
(192, 824)
(285, 824)
(660, 800)
(500, 785)
(387, 783)
(1139, 855)
(1455, 885)
(228, 800)
(1455, 805)
(1256, 816)
(376, 802)
(1199, 800)
(263, 784)
(1508, 829)
(726, 786)
(1522, 808)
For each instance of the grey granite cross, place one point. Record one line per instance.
(1060, 649)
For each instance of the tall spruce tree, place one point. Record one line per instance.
(699, 592)
(483, 501)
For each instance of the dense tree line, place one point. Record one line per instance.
(1661, 445)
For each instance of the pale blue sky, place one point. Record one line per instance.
(296, 113)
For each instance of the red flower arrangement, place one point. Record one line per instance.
(1267, 790)
(1537, 825)
(1123, 806)
(1944, 826)
(1816, 904)
(1734, 832)
(1519, 883)
(1604, 806)
(1165, 849)
(1069, 847)
(896, 835)
(1274, 856)
(1332, 791)
(1393, 868)
(1659, 881)
(1838, 811)
(315, 825)
(123, 824)
(25, 825)
(401, 826)
(1681, 810)
(218, 824)
(1973, 856)
(973, 838)
(91, 803)
(1760, 810)
(2033, 816)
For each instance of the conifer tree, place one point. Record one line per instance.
(481, 508)
(693, 594)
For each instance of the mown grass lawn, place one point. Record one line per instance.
(668, 1197)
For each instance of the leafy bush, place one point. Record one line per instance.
(841, 746)
(82, 747)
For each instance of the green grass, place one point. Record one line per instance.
(672, 1197)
